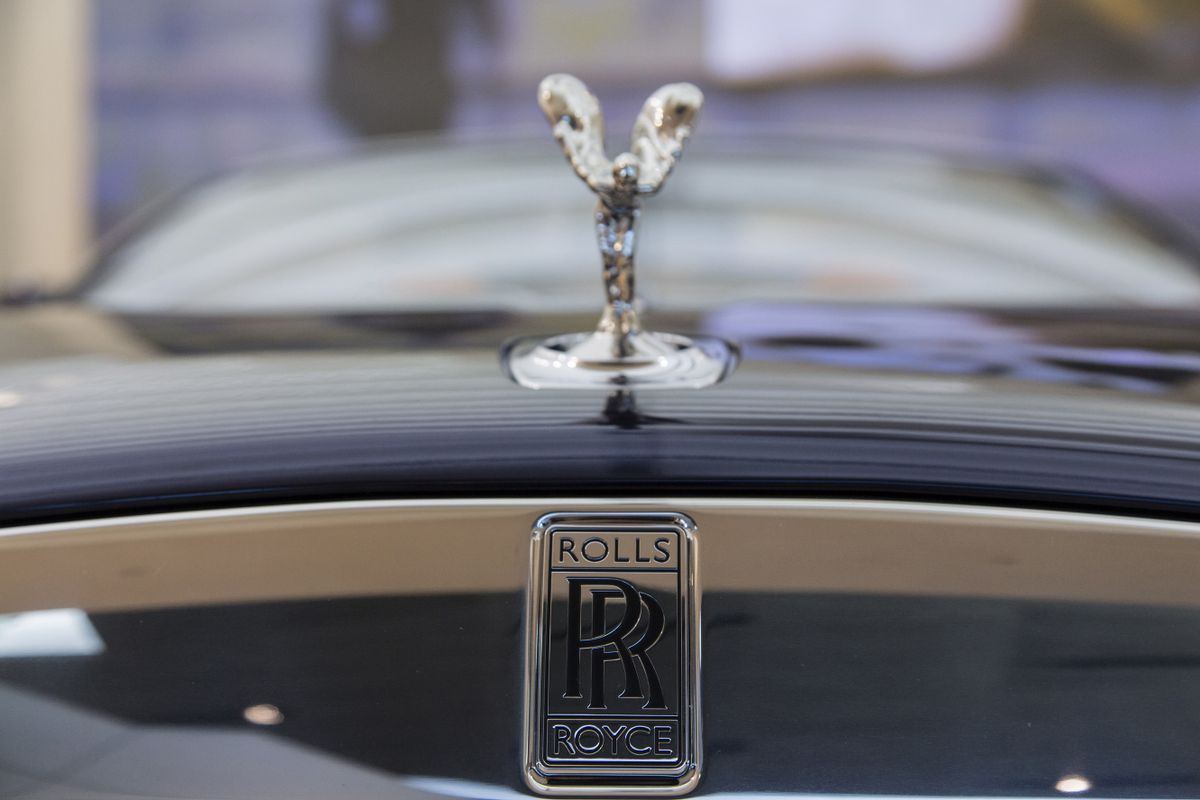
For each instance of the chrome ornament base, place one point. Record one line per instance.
(651, 361)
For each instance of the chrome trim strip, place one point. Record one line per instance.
(399, 547)
(1110, 521)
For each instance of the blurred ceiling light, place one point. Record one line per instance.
(9, 399)
(263, 714)
(54, 632)
(755, 40)
(1073, 784)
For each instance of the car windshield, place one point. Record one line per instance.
(430, 225)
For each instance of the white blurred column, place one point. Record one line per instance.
(45, 187)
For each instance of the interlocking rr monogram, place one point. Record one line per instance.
(611, 644)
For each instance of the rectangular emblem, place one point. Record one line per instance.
(612, 673)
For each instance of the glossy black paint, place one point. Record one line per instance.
(1072, 409)
(868, 694)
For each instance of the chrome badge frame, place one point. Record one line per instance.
(612, 669)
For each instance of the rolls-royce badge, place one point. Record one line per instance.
(612, 668)
(619, 353)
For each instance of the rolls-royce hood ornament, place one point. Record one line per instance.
(619, 353)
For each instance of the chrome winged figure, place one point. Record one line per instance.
(618, 354)
(664, 124)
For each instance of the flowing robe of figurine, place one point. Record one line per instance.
(664, 124)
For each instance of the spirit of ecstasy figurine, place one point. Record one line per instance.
(619, 354)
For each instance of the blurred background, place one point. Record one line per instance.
(107, 106)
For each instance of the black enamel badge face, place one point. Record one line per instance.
(612, 667)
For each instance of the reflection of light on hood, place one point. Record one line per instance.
(1073, 784)
(472, 790)
(55, 632)
(453, 787)
(263, 714)
(936, 341)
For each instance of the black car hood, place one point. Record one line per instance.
(1070, 408)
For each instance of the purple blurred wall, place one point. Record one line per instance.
(183, 90)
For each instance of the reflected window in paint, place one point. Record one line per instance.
(53, 632)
